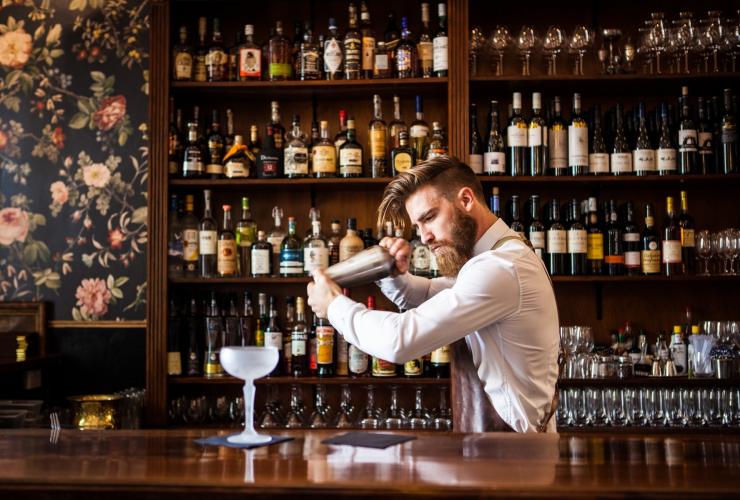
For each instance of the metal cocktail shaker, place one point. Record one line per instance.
(370, 265)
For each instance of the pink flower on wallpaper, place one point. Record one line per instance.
(3, 140)
(110, 113)
(13, 225)
(59, 192)
(93, 297)
(58, 138)
(115, 238)
(15, 48)
(96, 175)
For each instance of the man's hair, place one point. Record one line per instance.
(446, 173)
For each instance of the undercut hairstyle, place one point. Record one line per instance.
(446, 173)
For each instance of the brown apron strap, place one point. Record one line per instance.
(475, 413)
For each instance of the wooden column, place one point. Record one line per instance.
(457, 87)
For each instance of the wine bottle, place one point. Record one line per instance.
(577, 140)
(516, 224)
(536, 229)
(621, 157)
(577, 246)
(666, 158)
(631, 241)
(226, 261)
(614, 255)
(557, 246)
(558, 142)
(494, 159)
(687, 137)
(671, 244)
(207, 237)
(476, 146)
(516, 135)
(537, 138)
(598, 158)
(730, 154)
(650, 248)
(595, 240)
(299, 341)
(686, 227)
(707, 159)
(643, 157)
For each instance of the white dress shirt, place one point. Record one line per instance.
(502, 302)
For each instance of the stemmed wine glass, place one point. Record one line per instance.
(553, 44)
(270, 417)
(580, 41)
(685, 36)
(369, 418)
(249, 363)
(295, 418)
(614, 57)
(419, 417)
(704, 250)
(442, 420)
(657, 37)
(320, 417)
(715, 34)
(345, 416)
(525, 42)
(395, 418)
(477, 41)
(500, 40)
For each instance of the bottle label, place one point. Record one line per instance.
(595, 246)
(309, 67)
(418, 131)
(291, 262)
(537, 135)
(236, 169)
(324, 159)
(426, 55)
(621, 162)
(298, 340)
(358, 360)
(671, 252)
(557, 241)
(190, 245)
(494, 162)
(377, 144)
(381, 62)
(207, 242)
(537, 239)
(632, 260)
(687, 140)
(174, 363)
(274, 339)
(215, 169)
(347, 250)
(315, 258)
(420, 258)
(577, 241)
(413, 368)
(183, 66)
(644, 160)
(577, 146)
(350, 161)
(368, 52)
(216, 62)
(631, 237)
(598, 163)
(226, 261)
(516, 136)
(402, 162)
(440, 53)
(324, 345)
(342, 368)
(705, 143)
(729, 134)
(312, 364)
(476, 163)
(614, 259)
(352, 56)
(260, 261)
(687, 238)
(245, 236)
(332, 56)
(282, 70)
(193, 163)
(666, 160)
(382, 368)
(296, 160)
(250, 63)
(678, 355)
(650, 260)
(269, 165)
(441, 355)
(558, 141)
(403, 59)
(199, 68)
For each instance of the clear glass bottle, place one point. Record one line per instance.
(276, 236)
(261, 256)
(419, 132)
(217, 60)
(193, 164)
(250, 57)
(246, 236)
(334, 240)
(316, 249)
(396, 125)
(352, 44)
(280, 67)
(324, 154)
(333, 53)
(296, 152)
(420, 255)
(368, 41)
(405, 53)
(537, 138)
(182, 58)
(350, 154)
(377, 132)
(438, 144)
(425, 46)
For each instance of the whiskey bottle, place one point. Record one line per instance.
(341, 136)
(476, 142)
(182, 58)
(207, 237)
(396, 125)
(275, 238)
(270, 159)
(261, 256)
(239, 160)
(350, 153)
(214, 332)
(382, 66)
(215, 166)
(226, 247)
(291, 253)
(192, 157)
(309, 59)
(440, 42)
(263, 319)
(537, 138)
(274, 337)
(250, 57)
(438, 144)
(296, 152)
(190, 243)
(425, 46)
(316, 250)
(174, 240)
(232, 73)
(577, 140)
(405, 53)
(403, 157)
(614, 254)
(334, 241)
(650, 248)
(229, 135)
(351, 244)
(368, 41)
(420, 254)
(557, 141)
(333, 54)
(631, 241)
(324, 154)
(217, 59)
(419, 132)
(325, 341)
(352, 44)
(255, 144)
(277, 127)
(440, 362)
(378, 139)
(299, 341)
(279, 51)
(246, 321)
(174, 144)
(200, 72)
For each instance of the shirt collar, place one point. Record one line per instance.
(495, 232)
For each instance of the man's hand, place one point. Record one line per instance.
(321, 292)
(400, 250)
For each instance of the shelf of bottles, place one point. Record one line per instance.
(337, 380)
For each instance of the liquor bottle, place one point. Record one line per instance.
(516, 224)
(671, 244)
(325, 341)
(200, 73)
(536, 229)
(650, 252)
(706, 159)
(278, 56)
(214, 332)
(299, 341)
(382, 64)
(217, 59)
(261, 256)
(577, 140)
(557, 141)
(193, 332)
(516, 138)
(686, 226)
(250, 57)
(406, 54)
(350, 153)
(192, 157)
(246, 236)
(291, 252)
(341, 136)
(226, 263)
(420, 253)
(677, 348)
(438, 144)
(238, 160)
(229, 135)
(174, 240)
(594, 241)
(214, 165)
(308, 65)
(358, 362)
(174, 327)
(729, 155)
(391, 36)
(352, 44)
(275, 238)
(377, 132)
(351, 244)
(666, 157)
(255, 143)
(324, 154)
(419, 132)
(494, 158)
(232, 58)
(396, 125)
(621, 157)
(440, 42)
(246, 321)
(174, 144)
(577, 241)
(189, 225)
(557, 246)
(262, 319)
(643, 157)
(425, 45)
(274, 337)
(368, 239)
(231, 335)
(476, 142)
(296, 152)
(270, 158)
(537, 138)
(182, 58)
(295, 47)
(631, 241)
(440, 362)
(687, 138)
(598, 158)
(495, 203)
(403, 157)
(207, 237)
(287, 329)
(334, 241)
(614, 254)
(333, 55)
(316, 250)
(380, 367)
(368, 41)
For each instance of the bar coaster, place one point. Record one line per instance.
(222, 441)
(368, 439)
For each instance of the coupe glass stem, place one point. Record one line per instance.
(249, 408)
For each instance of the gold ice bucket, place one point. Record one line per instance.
(96, 411)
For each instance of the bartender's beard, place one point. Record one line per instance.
(453, 254)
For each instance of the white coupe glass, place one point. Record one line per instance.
(249, 363)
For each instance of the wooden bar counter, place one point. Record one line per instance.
(168, 464)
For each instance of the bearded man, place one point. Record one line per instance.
(495, 302)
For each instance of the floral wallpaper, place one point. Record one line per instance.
(74, 155)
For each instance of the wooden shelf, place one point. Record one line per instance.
(649, 382)
(326, 182)
(632, 78)
(310, 381)
(243, 281)
(612, 180)
(683, 431)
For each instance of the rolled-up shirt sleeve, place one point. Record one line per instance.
(485, 291)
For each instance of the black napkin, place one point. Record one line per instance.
(222, 441)
(368, 439)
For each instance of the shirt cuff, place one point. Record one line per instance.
(337, 312)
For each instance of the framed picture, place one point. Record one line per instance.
(23, 318)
